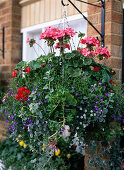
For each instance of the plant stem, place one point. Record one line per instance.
(41, 48)
(35, 51)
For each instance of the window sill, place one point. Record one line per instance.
(27, 2)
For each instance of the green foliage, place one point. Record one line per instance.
(67, 98)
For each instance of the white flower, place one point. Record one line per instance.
(66, 131)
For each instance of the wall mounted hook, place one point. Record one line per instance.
(64, 3)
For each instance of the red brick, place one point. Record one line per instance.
(6, 10)
(117, 6)
(117, 17)
(116, 51)
(117, 28)
(116, 63)
(116, 40)
(5, 68)
(93, 19)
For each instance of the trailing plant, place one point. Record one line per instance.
(58, 104)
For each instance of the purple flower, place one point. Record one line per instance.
(15, 123)
(62, 130)
(36, 88)
(28, 99)
(92, 89)
(50, 65)
(99, 83)
(9, 128)
(25, 125)
(45, 101)
(104, 87)
(9, 91)
(39, 94)
(97, 96)
(106, 94)
(16, 84)
(101, 100)
(83, 77)
(96, 106)
(5, 111)
(32, 91)
(113, 116)
(39, 103)
(88, 105)
(111, 90)
(97, 117)
(76, 94)
(12, 117)
(3, 100)
(96, 102)
(83, 72)
(72, 87)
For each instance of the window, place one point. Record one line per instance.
(76, 22)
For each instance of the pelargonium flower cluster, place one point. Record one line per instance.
(22, 94)
(86, 52)
(92, 41)
(103, 52)
(55, 33)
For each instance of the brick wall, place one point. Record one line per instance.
(113, 31)
(10, 18)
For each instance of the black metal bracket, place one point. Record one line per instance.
(102, 6)
(3, 42)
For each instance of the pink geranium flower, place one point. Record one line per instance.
(27, 41)
(87, 53)
(90, 41)
(100, 51)
(50, 32)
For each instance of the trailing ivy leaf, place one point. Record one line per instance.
(34, 64)
(20, 64)
(46, 87)
(106, 77)
(76, 72)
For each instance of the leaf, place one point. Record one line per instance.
(20, 64)
(87, 61)
(70, 99)
(19, 156)
(76, 72)
(35, 64)
(69, 55)
(46, 87)
(106, 77)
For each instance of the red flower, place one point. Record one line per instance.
(22, 94)
(27, 69)
(96, 69)
(112, 72)
(14, 73)
(122, 165)
(112, 82)
(43, 65)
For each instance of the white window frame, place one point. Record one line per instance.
(42, 26)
